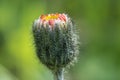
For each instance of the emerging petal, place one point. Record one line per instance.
(52, 19)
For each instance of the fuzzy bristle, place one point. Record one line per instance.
(55, 40)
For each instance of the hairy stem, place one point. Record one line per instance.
(59, 74)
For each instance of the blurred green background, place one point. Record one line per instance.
(98, 24)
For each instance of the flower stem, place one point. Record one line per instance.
(59, 74)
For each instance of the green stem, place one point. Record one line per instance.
(59, 74)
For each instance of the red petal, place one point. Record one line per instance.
(51, 22)
(62, 17)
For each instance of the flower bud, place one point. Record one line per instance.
(55, 40)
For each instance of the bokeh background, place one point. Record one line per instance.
(98, 24)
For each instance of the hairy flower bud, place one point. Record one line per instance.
(55, 40)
